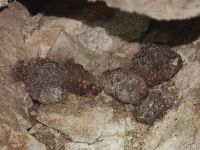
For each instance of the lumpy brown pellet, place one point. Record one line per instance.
(156, 63)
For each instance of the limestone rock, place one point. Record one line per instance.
(23, 141)
(67, 46)
(51, 138)
(160, 10)
(178, 130)
(3, 3)
(12, 94)
(97, 40)
(188, 82)
(80, 118)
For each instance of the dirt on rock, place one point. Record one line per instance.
(156, 63)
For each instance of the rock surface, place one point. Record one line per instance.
(3, 3)
(14, 112)
(51, 138)
(106, 123)
(160, 10)
(178, 130)
(100, 123)
(24, 141)
(80, 118)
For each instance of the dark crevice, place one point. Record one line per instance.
(35, 6)
(2, 8)
(172, 33)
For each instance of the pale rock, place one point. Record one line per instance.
(23, 141)
(188, 53)
(178, 130)
(44, 50)
(8, 122)
(187, 81)
(67, 46)
(80, 118)
(111, 143)
(41, 40)
(3, 3)
(120, 132)
(160, 10)
(14, 117)
(97, 40)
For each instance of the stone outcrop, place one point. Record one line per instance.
(160, 10)
(3, 3)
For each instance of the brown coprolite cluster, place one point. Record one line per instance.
(45, 79)
(143, 84)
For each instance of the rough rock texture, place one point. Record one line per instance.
(189, 77)
(60, 37)
(24, 141)
(161, 10)
(3, 3)
(90, 124)
(62, 49)
(51, 138)
(14, 117)
(178, 130)
(124, 85)
(80, 118)
(56, 38)
(11, 136)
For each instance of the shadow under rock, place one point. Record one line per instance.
(173, 33)
(130, 27)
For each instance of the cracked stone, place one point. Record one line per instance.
(178, 130)
(41, 77)
(82, 119)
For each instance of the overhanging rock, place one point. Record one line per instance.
(158, 9)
